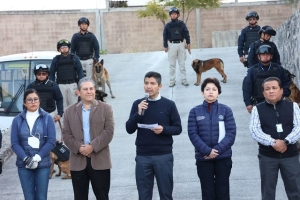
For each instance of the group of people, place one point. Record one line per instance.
(55, 91)
(275, 122)
(89, 124)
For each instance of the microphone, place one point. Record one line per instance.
(145, 98)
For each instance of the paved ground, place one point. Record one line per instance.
(127, 72)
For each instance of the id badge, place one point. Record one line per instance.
(34, 142)
(279, 128)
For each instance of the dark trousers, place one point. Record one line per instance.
(159, 166)
(290, 173)
(214, 178)
(100, 180)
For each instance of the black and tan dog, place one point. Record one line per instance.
(295, 93)
(101, 76)
(201, 66)
(60, 155)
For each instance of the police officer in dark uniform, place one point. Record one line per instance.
(85, 45)
(265, 32)
(67, 70)
(49, 92)
(175, 32)
(248, 35)
(252, 84)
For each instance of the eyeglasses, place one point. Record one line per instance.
(42, 74)
(34, 100)
(63, 41)
(64, 47)
(41, 66)
(251, 19)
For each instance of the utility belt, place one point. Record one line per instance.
(66, 81)
(85, 57)
(176, 41)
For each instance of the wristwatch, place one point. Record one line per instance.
(286, 142)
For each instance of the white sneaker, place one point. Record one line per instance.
(185, 83)
(171, 84)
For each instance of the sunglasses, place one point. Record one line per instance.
(64, 47)
(35, 100)
(63, 42)
(41, 66)
(42, 74)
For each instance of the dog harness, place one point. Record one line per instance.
(62, 152)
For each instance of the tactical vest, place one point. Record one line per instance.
(46, 94)
(251, 36)
(175, 31)
(261, 75)
(84, 45)
(61, 151)
(66, 68)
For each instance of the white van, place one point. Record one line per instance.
(16, 73)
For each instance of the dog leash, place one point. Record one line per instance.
(61, 138)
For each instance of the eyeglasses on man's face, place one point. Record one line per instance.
(42, 74)
(34, 100)
(252, 19)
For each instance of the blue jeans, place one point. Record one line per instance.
(160, 167)
(34, 182)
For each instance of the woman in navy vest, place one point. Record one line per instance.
(212, 131)
(32, 138)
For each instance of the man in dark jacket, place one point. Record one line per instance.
(266, 32)
(252, 84)
(248, 35)
(175, 32)
(275, 125)
(86, 46)
(154, 143)
(51, 99)
(66, 69)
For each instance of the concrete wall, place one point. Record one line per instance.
(119, 30)
(288, 43)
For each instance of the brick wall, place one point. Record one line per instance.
(24, 31)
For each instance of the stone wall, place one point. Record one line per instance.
(288, 43)
(120, 31)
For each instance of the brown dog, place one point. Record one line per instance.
(101, 76)
(201, 66)
(295, 93)
(63, 166)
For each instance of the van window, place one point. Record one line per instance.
(14, 78)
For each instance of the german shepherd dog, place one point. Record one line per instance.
(101, 76)
(295, 93)
(63, 166)
(201, 66)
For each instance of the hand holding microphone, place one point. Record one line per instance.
(143, 105)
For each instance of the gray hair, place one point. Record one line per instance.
(85, 79)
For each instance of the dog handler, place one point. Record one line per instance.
(175, 32)
(67, 70)
(32, 138)
(265, 32)
(85, 45)
(48, 90)
(248, 35)
(252, 84)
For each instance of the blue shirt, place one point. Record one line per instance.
(86, 125)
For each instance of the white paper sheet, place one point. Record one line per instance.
(221, 131)
(148, 126)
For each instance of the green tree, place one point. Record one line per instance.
(154, 9)
(190, 5)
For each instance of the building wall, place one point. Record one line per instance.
(122, 31)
